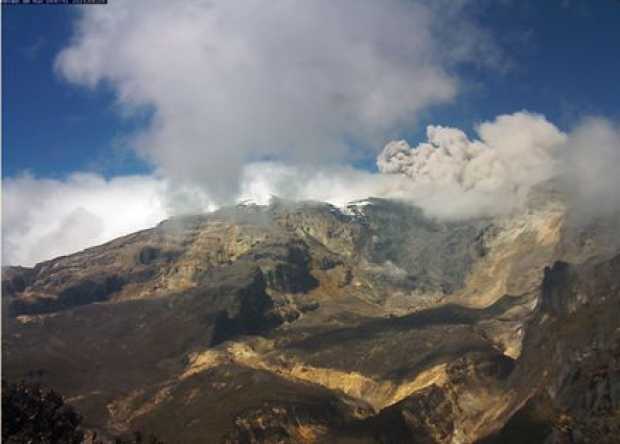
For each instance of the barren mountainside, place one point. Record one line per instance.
(307, 323)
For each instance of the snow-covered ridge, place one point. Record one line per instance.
(252, 203)
(355, 208)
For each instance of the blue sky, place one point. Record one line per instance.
(563, 62)
(52, 128)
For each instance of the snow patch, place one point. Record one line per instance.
(355, 208)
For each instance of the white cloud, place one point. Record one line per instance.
(452, 176)
(299, 83)
(449, 176)
(335, 185)
(232, 82)
(45, 218)
(589, 167)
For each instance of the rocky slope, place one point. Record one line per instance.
(302, 323)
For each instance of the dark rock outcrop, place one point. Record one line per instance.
(569, 372)
(83, 292)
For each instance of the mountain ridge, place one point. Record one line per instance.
(410, 329)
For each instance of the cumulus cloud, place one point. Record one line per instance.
(452, 176)
(590, 162)
(45, 218)
(449, 176)
(231, 83)
(336, 185)
(258, 98)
